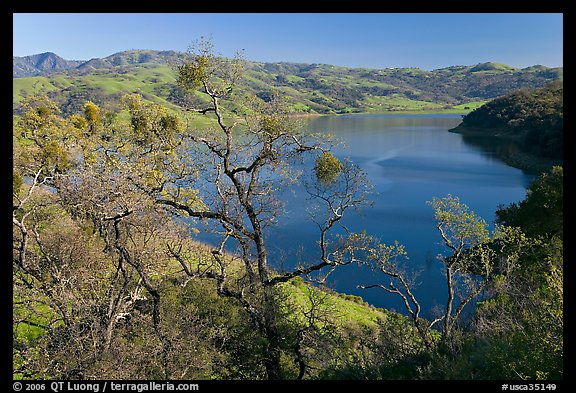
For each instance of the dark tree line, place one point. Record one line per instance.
(535, 117)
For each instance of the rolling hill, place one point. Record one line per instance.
(311, 88)
(533, 118)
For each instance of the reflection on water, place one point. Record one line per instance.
(409, 159)
(498, 148)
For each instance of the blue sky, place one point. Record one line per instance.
(374, 40)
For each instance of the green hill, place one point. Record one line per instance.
(532, 118)
(490, 66)
(311, 88)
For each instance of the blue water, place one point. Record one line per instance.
(409, 159)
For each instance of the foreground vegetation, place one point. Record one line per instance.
(109, 283)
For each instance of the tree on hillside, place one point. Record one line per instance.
(130, 178)
(474, 261)
(526, 317)
(48, 276)
(245, 163)
(541, 213)
(516, 331)
(82, 175)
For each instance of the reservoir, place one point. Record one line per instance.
(409, 159)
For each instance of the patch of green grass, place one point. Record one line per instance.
(140, 79)
(300, 107)
(24, 87)
(33, 317)
(294, 79)
(469, 106)
(396, 102)
(492, 68)
(348, 309)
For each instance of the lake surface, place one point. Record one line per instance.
(409, 159)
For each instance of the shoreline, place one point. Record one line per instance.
(525, 161)
(483, 132)
(407, 112)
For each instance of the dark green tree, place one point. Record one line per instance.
(541, 213)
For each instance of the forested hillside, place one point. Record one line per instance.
(533, 118)
(310, 88)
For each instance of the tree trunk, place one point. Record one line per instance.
(272, 350)
(272, 356)
(448, 315)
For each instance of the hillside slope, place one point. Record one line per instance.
(532, 118)
(312, 88)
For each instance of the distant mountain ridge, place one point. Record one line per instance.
(41, 64)
(47, 63)
(131, 57)
(312, 88)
